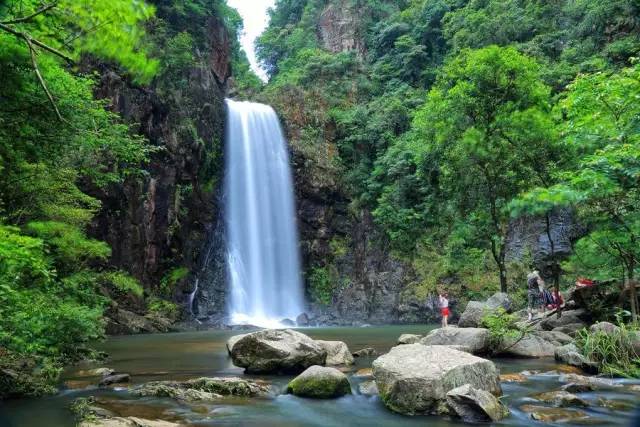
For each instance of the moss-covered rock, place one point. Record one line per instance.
(26, 376)
(320, 383)
(202, 389)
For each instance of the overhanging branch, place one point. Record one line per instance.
(34, 62)
(21, 35)
(33, 15)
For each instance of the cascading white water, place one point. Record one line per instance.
(262, 241)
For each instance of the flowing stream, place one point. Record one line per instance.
(193, 354)
(262, 243)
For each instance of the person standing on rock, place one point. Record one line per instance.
(534, 285)
(443, 300)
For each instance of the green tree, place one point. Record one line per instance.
(488, 122)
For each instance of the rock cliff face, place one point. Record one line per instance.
(162, 220)
(339, 27)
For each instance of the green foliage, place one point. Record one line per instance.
(613, 351)
(162, 308)
(172, 278)
(111, 29)
(503, 329)
(321, 285)
(124, 283)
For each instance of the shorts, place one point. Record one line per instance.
(444, 311)
(534, 299)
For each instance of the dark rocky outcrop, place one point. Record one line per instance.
(162, 219)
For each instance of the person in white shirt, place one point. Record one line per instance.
(444, 308)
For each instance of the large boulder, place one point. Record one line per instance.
(337, 353)
(277, 351)
(475, 310)
(568, 317)
(475, 339)
(500, 300)
(409, 339)
(202, 389)
(320, 382)
(232, 341)
(472, 315)
(571, 355)
(415, 378)
(530, 345)
(473, 405)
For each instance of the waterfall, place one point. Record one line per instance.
(263, 260)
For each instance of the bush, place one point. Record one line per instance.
(613, 351)
(502, 328)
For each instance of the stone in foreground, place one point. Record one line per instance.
(473, 405)
(337, 353)
(320, 382)
(277, 351)
(415, 378)
(127, 422)
(475, 339)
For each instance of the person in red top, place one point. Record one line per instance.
(444, 308)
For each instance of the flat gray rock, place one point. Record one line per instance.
(415, 378)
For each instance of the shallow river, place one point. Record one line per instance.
(187, 355)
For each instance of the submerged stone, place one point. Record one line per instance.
(561, 399)
(202, 389)
(554, 415)
(368, 388)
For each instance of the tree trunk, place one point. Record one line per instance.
(632, 294)
(555, 266)
(503, 275)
